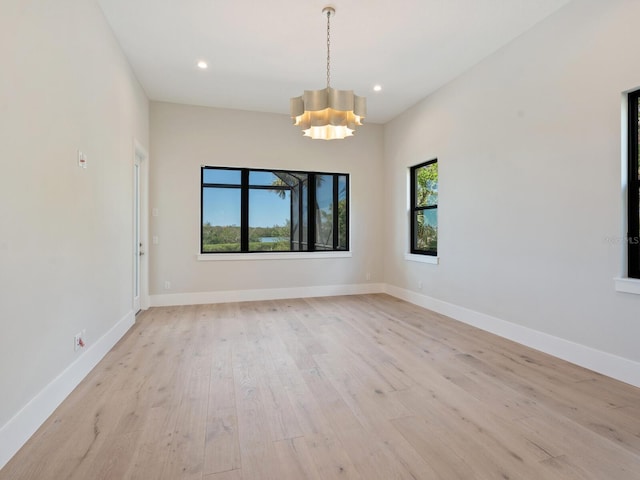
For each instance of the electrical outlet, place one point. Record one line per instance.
(167, 285)
(368, 276)
(420, 284)
(78, 343)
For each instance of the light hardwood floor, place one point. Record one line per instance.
(360, 387)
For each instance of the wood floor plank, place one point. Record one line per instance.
(480, 436)
(582, 447)
(222, 450)
(372, 459)
(154, 447)
(295, 460)
(427, 439)
(363, 387)
(325, 449)
(258, 455)
(188, 439)
(230, 475)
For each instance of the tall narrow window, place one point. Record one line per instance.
(633, 235)
(249, 210)
(424, 208)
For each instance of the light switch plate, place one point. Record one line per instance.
(82, 159)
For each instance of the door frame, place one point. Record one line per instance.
(141, 159)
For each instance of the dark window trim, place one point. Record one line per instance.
(244, 211)
(245, 187)
(633, 187)
(415, 209)
(311, 214)
(346, 213)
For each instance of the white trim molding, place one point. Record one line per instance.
(15, 433)
(225, 296)
(613, 366)
(141, 151)
(627, 285)
(412, 257)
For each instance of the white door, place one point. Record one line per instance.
(138, 250)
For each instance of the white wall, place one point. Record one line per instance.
(529, 149)
(65, 233)
(184, 138)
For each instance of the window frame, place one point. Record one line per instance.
(414, 209)
(245, 187)
(633, 188)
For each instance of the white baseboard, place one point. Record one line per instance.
(605, 363)
(15, 433)
(200, 298)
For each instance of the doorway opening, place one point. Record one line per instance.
(140, 264)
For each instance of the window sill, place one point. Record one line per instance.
(270, 256)
(411, 257)
(627, 285)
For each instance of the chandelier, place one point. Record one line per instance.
(328, 114)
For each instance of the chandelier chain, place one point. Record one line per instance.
(328, 48)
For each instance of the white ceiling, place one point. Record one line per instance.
(261, 53)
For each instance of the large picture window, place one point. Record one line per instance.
(633, 235)
(424, 208)
(248, 210)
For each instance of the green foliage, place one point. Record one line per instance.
(426, 234)
(281, 246)
(427, 185)
(220, 247)
(216, 238)
(278, 231)
(342, 224)
(427, 238)
(216, 235)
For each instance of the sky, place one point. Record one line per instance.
(221, 206)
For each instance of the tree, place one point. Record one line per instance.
(427, 185)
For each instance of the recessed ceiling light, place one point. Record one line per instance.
(202, 65)
(377, 88)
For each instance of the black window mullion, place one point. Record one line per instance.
(633, 204)
(301, 214)
(291, 223)
(311, 214)
(336, 216)
(412, 183)
(201, 210)
(346, 213)
(244, 211)
(347, 206)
